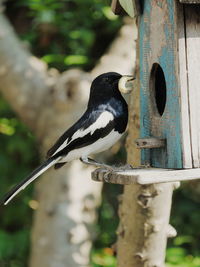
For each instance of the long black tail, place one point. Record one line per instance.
(23, 184)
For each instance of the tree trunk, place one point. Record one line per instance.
(67, 197)
(144, 210)
(44, 99)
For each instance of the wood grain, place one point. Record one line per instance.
(128, 7)
(189, 1)
(158, 45)
(150, 142)
(193, 66)
(145, 176)
(184, 97)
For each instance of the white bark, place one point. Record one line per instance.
(67, 197)
(49, 103)
(24, 79)
(144, 225)
(63, 227)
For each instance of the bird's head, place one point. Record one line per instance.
(110, 84)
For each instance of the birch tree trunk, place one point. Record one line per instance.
(49, 102)
(144, 210)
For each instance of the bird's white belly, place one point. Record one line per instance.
(99, 146)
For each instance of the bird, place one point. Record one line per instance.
(99, 128)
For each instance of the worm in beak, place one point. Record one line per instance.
(125, 84)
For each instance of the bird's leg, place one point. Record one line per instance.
(93, 162)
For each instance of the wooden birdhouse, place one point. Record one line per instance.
(169, 40)
(169, 58)
(169, 81)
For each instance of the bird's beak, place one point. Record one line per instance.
(125, 84)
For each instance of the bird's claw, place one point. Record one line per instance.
(109, 168)
(93, 162)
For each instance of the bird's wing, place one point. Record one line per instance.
(92, 126)
(24, 183)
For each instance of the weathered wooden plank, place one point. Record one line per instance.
(184, 99)
(150, 142)
(192, 23)
(145, 176)
(128, 6)
(189, 1)
(158, 45)
(132, 7)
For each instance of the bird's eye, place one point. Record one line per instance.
(105, 79)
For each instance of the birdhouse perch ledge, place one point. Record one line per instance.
(144, 176)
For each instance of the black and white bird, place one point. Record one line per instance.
(99, 128)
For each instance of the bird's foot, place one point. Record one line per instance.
(93, 162)
(124, 167)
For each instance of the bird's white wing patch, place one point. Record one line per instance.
(101, 122)
(100, 145)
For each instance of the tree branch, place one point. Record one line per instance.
(24, 79)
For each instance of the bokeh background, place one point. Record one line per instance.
(67, 34)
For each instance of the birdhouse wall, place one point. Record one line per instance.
(159, 82)
(189, 74)
(169, 40)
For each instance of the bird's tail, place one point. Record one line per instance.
(23, 184)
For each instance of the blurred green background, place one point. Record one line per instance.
(69, 34)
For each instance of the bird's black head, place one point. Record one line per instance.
(106, 82)
(104, 87)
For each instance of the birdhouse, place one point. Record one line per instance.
(169, 40)
(169, 80)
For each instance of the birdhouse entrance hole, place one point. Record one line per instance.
(158, 87)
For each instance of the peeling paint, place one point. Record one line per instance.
(158, 44)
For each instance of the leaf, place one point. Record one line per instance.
(75, 60)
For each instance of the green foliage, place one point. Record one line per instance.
(184, 250)
(16, 162)
(66, 34)
(69, 33)
(103, 257)
(179, 257)
(108, 217)
(13, 248)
